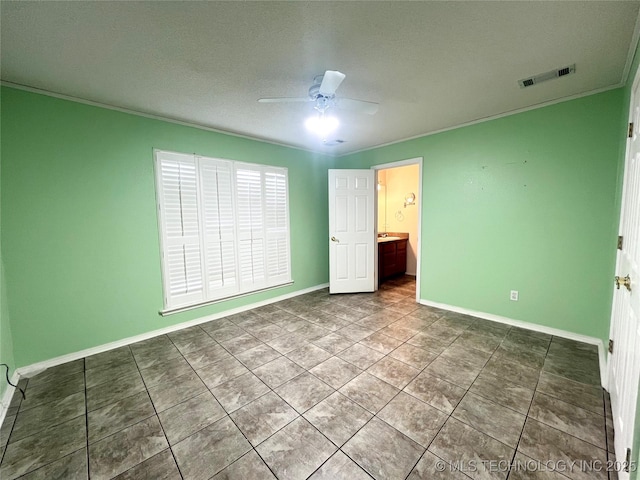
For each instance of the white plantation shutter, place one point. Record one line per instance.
(277, 225)
(177, 193)
(224, 228)
(250, 224)
(218, 227)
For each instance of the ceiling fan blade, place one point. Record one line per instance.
(370, 108)
(284, 100)
(330, 82)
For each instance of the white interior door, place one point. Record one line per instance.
(352, 235)
(625, 360)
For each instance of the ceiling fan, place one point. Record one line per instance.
(323, 94)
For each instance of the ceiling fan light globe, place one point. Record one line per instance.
(322, 125)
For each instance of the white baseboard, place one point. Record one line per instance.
(536, 328)
(8, 395)
(35, 368)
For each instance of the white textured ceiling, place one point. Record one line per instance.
(430, 65)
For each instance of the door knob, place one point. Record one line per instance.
(334, 239)
(626, 281)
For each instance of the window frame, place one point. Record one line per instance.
(171, 301)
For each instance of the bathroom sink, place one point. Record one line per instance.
(387, 239)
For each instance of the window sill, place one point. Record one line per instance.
(184, 308)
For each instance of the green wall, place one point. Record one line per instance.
(79, 225)
(525, 202)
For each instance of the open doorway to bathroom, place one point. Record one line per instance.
(399, 197)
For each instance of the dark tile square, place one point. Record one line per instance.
(109, 359)
(120, 452)
(263, 417)
(52, 443)
(503, 392)
(257, 356)
(338, 418)
(239, 391)
(73, 467)
(436, 392)
(369, 392)
(59, 373)
(209, 450)
(333, 343)
(513, 372)
(278, 371)
(308, 356)
(414, 418)
(335, 372)
(456, 371)
(430, 467)
(339, 466)
(497, 421)
(47, 415)
(568, 418)
(381, 342)
(148, 358)
(382, 451)
(287, 343)
(240, 343)
(116, 416)
(414, 356)
(161, 466)
(582, 395)
(193, 342)
(107, 393)
(188, 417)
(165, 372)
(547, 444)
(221, 371)
(461, 443)
(51, 391)
(393, 371)
(166, 395)
(469, 339)
(360, 356)
(304, 391)
(355, 332)
(206, 356)
(296, 451)
(250, 466)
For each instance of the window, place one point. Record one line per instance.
(224, 228)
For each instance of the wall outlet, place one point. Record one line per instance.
(514, 296)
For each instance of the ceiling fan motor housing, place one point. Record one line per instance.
(322, 102)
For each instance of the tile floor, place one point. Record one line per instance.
(321, 387)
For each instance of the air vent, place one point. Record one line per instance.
(543, 77)
(333, 143)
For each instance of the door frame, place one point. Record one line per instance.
(403, 163)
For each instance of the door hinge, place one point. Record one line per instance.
(620, 241)
(630, 133)
(610, 345)
(627, 460)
